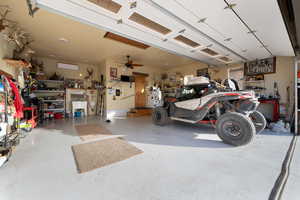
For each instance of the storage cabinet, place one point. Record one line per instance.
(52, 99)
(85, 95)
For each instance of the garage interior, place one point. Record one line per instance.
(85, 86)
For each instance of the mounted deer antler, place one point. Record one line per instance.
(21, 39)
(4, 22)
(90, 73)
(16, 35)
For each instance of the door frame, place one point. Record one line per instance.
(145, 76)
(139, 73)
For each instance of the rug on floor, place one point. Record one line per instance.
(92, 131)
(93, 155)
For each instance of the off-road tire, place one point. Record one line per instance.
(232, 120)
(8, 155)
(259, 121)
(160, 116)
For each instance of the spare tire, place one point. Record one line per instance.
(259, 121)
(235, 128)
(160, 116)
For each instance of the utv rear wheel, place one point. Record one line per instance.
(160, 116)
(259, 121)
(235, 129)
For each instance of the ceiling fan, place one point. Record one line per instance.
(130, 64)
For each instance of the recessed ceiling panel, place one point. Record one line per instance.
(209, 52)
(225, 59)
(136, 17)
(108, 5)
(187, 41)
(125, 40)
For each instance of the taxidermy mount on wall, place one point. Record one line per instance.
(12, 33)
(4, 22)
(21, 40)
(90, 73)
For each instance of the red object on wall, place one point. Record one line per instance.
(275, 103)
(17, 99)
(33, 118)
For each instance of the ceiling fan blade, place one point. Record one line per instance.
(137, 65)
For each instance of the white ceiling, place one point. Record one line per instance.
(262, 16)
(85, 43)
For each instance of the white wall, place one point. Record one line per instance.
(122, 104)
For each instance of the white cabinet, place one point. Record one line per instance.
(90, 96)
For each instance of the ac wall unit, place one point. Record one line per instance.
(67, 66)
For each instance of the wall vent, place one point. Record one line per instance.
(186, 41)
(67, 66)
(149, 23)
(209, 52)
(108, 5)
(125, 40)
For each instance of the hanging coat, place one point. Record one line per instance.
(18, 103)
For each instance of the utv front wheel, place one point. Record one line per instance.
(259, 121)
(160, 116)
(235, 129)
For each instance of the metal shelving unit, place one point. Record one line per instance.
(49, 97)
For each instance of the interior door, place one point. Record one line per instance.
(140, 92)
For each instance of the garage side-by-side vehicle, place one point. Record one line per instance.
(233, 113)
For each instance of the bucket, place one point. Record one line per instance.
(77, 114)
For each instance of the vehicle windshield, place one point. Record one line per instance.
(189, 92)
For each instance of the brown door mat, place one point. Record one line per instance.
(97, 154)
(92, 131)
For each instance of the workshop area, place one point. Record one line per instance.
(149, 99)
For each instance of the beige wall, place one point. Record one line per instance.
(188, 69)
(6, 51)
(122, 104)
(283, 76)
(50, 68)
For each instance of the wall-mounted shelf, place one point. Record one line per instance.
(55, 109)
(255, 81)
(49, 91)
(5, 74)
(51, 81)
(59, 100)
(17, 63)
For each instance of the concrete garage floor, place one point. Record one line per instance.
(180, 161)
(293, 183)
